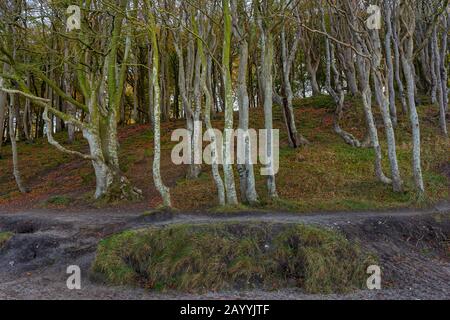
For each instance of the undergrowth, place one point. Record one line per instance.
(5, 237)
(200, 258)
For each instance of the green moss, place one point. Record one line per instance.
(59, 200)
(4, 238)
(317, 102)
(110, 262)
(203, 258)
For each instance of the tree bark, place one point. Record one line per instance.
(230, 187)
(13, 138)
(386, 112)
(389, 64)
(408, 20)
(163, 190)
(287, 59)
(3, 107)
(266, 79)
(246, 171)
(206, 89)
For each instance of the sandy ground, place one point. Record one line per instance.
(413, 246)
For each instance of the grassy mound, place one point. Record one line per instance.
(199, 258)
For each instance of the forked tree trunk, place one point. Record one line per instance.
(246, 171)
(267, 88)
(206, 89)
(398, 68)
(296, 140)
(366, 94)
(184, 84)
(337, 94)
(386, 112)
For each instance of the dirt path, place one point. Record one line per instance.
(414, 248)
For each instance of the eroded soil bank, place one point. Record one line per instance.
(413, 247)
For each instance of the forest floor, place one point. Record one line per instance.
(412, 245)
(59, 224)
(327, 175)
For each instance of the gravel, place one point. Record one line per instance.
(413, 247)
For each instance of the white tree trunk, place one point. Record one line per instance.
(389, 65)
(230, 187)
(414, 117)
(267, 86)
(15, 155)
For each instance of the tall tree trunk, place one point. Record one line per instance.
(67, 85)
(184, 82)
(444, 58)
(389, 64)
(150, 82)
(295, 139)
(205, 83)
(337, 94)
(383, 103)
(266, 79)
(350, 72)
(163, 190)
(135, 113)
(437, 66)
(366, 94)
(246, 171)
(3, 107)
(407, 63)
(12, 136)
(398, 68)
(230, 187)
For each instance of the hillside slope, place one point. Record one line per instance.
(327, 175)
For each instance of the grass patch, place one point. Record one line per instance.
(59, 201)
(201, 258)
(4, 238)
